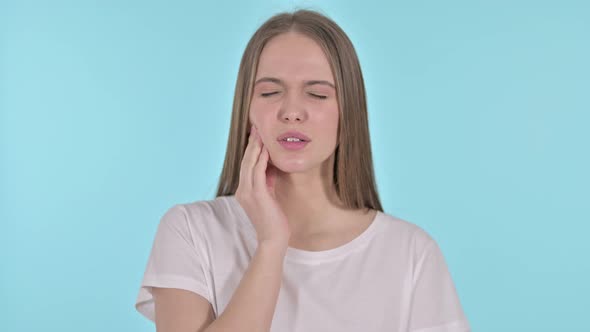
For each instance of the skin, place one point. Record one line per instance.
(302, 179)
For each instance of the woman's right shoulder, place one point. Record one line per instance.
(199, 212)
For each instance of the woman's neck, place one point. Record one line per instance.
(309, 201)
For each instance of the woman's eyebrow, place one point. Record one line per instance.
(319, 82)
(306, 83)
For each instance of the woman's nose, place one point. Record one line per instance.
(292, 109)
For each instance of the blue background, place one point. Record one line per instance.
(112, 111)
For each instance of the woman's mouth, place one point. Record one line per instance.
(293, 144)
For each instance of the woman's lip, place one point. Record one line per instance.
(293, 145)
(295, 134)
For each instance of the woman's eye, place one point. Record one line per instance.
(318, 96)
(268, 94)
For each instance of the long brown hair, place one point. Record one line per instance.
(353, 163)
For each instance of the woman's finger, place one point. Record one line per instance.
(271, 173)
(260, 170)
(249, 160)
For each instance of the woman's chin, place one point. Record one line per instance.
(290, 165)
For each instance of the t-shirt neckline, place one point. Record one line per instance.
(315, 257)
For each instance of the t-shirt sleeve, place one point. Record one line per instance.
(435, 303)
(174, 261)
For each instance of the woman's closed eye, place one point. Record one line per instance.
(317, 96)
(268, 94)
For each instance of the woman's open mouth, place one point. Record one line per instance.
(293, 145)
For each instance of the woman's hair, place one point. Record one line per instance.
(353, 163)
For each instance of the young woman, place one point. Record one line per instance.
(296, 239)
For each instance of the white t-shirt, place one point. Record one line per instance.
(392, 277)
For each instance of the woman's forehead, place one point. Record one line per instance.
(294, 56)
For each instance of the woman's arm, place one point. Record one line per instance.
(252, 305)
(250, 309)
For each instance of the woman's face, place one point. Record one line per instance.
(295, 91)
